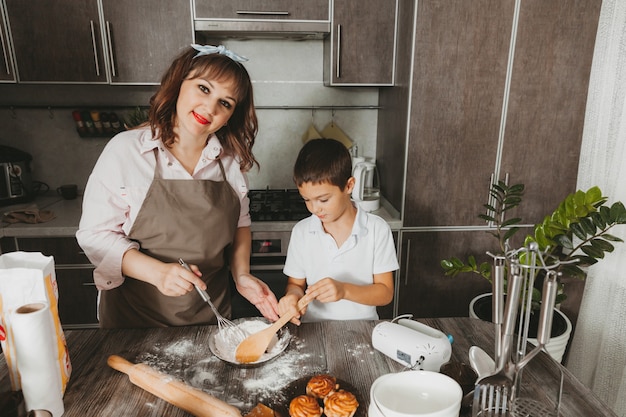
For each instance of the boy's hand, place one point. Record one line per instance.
(327, 290)
(287, 304)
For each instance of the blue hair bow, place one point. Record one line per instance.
(210, 49)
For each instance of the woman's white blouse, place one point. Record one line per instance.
(117, 188)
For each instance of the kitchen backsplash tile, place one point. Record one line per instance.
(285, 73)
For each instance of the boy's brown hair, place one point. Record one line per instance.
(323, 160)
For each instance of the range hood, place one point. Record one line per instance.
(248, 29)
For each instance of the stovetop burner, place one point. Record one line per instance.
(277, 205)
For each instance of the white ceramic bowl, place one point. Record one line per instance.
(416, 394)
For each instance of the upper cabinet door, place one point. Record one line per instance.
(546, 108)
(361, 47)
(143, 36)
(56, 41)
(461, 51)
(132, 42)
(262, 9)
(7, 71)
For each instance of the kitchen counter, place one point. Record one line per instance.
(68, 214)
(341, 348)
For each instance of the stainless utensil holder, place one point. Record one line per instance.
(531, 262)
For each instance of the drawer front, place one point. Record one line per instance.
(275, 9)
(78, 298)
(65, 250)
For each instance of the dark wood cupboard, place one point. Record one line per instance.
(497, 91)
(262, 10)
(423, 289)
(360, 49)
(123, 43)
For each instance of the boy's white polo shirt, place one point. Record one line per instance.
(313, 254)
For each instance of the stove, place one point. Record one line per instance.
(277, 205)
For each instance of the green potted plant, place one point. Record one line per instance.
(573, 237)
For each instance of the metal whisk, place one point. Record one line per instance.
(227, 330)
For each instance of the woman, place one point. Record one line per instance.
(176, 188)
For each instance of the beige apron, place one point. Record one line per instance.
(195, 220)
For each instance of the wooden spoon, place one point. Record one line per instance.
(253, 346)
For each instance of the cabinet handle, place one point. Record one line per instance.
(113, 73)
(490, 200)
(5, 46)
(261, 12)
(338, 51)
(406, 264)
(95, 48)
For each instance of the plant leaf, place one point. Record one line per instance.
(486, 218)
(605, 212)
(597, 219)
(509, 222)
(618, 213)
(588, 226)
(612, 238)
(511, 232)
(593, 252)
(602, 245)
(565, 241)
(578, 231)
(593, 196)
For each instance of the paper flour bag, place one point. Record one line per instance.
(25, 278)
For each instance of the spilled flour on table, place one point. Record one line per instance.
(264, 383)
(363, 351)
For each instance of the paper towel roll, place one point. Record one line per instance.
(35, 348)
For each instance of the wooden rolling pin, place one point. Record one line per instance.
(175, 392)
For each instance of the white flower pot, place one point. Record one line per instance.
(557, 344)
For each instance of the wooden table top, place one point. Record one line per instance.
(341, 348)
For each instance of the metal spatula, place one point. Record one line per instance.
(493, 392)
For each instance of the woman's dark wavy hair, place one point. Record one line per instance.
(238, 136)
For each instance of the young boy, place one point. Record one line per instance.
(341, 257)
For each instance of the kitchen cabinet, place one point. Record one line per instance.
(498, 91)
(458, 137)
(145, 36)
(423, 290)
(262, 9)
(74, 274)
(362, 43)
(7, 71)
(95, 41)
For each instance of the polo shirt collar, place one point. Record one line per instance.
(359, 228)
